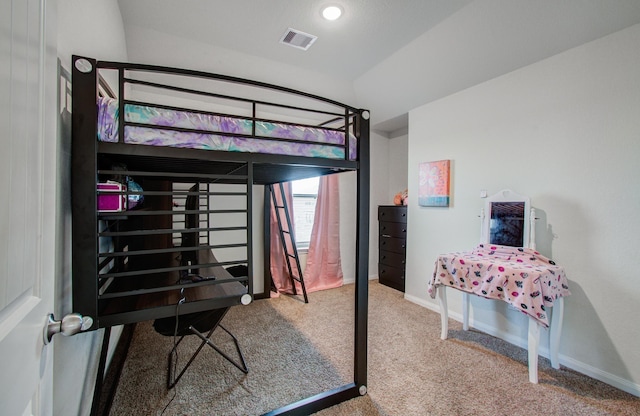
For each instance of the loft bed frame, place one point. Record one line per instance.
(128, 265)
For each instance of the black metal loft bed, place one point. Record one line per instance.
(170, 135)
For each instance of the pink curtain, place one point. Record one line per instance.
(324, 270)
(279, 269)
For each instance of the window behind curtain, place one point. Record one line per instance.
(305, 194)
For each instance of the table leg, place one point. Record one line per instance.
(557, 314)
(444, 312)
(534, 342)
(465, 311)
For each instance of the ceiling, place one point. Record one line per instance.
(368, 31)
(391, 55)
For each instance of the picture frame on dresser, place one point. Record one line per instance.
(392, 245)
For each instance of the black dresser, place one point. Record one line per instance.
(392, 227)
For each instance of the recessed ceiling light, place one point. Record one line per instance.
(331, 12)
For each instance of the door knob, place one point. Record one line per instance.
(71, 324)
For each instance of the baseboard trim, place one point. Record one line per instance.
(598, 374)
(569, 362)
(429, 305)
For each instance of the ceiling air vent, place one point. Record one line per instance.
(297, 39)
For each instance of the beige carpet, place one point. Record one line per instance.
(295, 350)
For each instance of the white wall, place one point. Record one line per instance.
(75, 358)
(563, 131)
(379, 194)
(388, 177)
(397, 165)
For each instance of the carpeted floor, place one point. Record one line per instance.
(295, 350)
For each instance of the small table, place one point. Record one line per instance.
(519, 276)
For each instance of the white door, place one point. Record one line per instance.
(27, 203)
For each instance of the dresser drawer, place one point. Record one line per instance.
(392, 242)
(397, 245)
(390, 258)
(393, 229)
(392, 213)
(391, 276)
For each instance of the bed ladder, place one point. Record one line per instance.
(283, 210)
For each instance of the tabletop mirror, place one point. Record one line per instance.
(506, 220)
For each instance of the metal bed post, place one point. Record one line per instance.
(83, 188)
(102, 365)
(250, 226)
(362, 253)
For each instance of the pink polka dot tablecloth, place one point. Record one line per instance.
(519, 276)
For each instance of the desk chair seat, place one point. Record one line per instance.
(201, 324)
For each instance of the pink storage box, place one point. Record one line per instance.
(110, 198)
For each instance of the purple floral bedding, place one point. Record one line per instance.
(272, 138)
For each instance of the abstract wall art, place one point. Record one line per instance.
(434, 187)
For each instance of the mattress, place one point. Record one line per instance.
(201, 131)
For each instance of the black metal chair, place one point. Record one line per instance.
(201, 324)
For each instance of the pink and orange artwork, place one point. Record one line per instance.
(433, 190)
